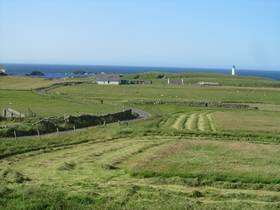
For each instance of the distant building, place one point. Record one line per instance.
(175, 81)
(233, 70)
(2, 70)
(108, 79)
(140, 82)
(10, 113)
(209, 83)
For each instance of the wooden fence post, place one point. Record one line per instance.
(57, 131)
(74, 128)
(38, 133)
(15, 134)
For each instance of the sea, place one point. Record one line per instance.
(62, 71)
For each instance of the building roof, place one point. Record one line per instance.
(108, 77)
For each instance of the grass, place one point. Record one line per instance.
(233, 162)
(24, 83)
(52, 105)
(260, 121)
(194, 78)
(180, 158)
(93, 174)
(180, 121)
(91, 92)
(192, 122)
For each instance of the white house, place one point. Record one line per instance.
(108, 79)
(2, 70)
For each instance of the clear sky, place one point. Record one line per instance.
(182, 33)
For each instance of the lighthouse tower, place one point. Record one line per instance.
(233, 70)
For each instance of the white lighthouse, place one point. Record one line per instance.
(233, 70)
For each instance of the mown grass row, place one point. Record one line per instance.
(131, 197)
(231, 162)
(165, 192)
(193, 122)
(114, 131)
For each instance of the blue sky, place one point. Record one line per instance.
(182, 33)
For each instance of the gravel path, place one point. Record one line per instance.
(142, 114)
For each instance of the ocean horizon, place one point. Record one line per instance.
(56, 71)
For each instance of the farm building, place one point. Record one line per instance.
(141, 82)
(2, 70)
(209, 83)
(108, 79)
(175, 81)
(10, 113)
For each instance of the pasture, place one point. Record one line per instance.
(182, 157)
(164, 92)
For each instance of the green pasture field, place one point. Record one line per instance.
(31, 83)
(156, 172)
(24, 83)
(165, 92)
(180, 158)
(52, 105)
(260, 121)
(229, 161)
(194, 78)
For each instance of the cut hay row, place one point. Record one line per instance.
(170, 121)
(163, 121)
(180, 122)
(124, 155)
(211, 122)
(191, 123)
(203, 123)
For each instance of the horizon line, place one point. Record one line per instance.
(144, 66)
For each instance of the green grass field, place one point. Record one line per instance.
(164, 92)
(181, 157)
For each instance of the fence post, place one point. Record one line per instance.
(15, 134)
(38, 133)
(74, 128)
(57, 131)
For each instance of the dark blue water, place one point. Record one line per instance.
(60, 71)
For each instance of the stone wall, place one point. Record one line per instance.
(201, 104)
(52, 124)
(91, 120)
